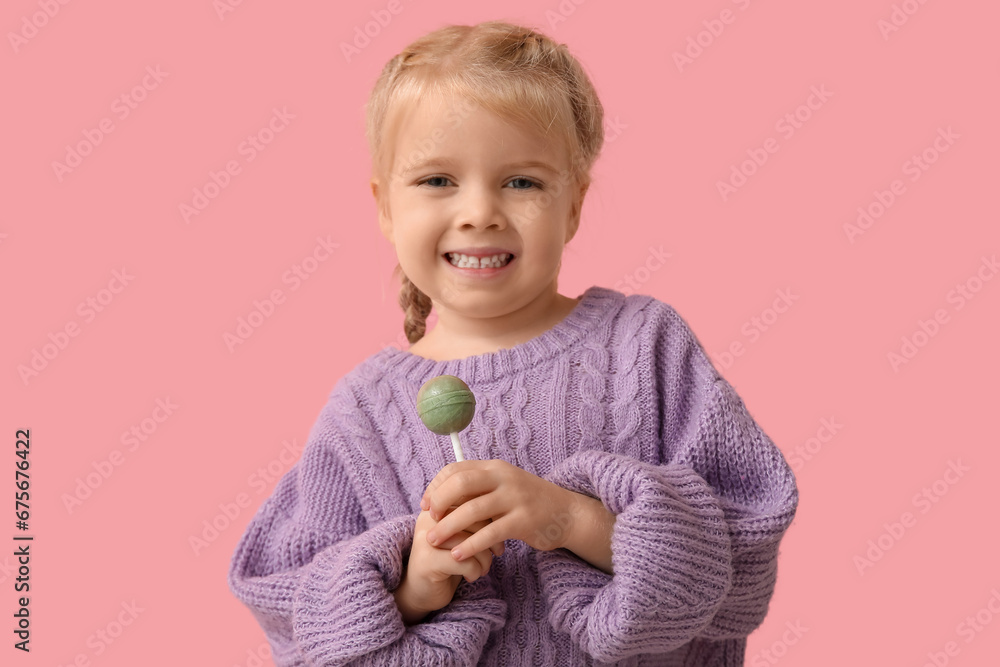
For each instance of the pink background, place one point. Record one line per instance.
(674, 133)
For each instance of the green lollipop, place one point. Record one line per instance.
(446, 406)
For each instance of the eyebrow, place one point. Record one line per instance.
(446, 162)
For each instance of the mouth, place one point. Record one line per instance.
(498, 261)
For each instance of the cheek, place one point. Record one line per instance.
(544, 206)
(419, 212)
(416, 243)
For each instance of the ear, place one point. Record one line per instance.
(384, 219)
(574, 219)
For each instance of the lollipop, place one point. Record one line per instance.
(446, 405)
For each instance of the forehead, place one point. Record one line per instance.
(437, 128)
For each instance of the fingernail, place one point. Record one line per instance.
(424, 504)
(433, 538)
(456, 554)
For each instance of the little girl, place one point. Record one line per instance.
(618, 503)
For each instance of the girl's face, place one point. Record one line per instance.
(460, 178)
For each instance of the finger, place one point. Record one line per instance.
(470, 568)
(498, 548)
(479, 525)
(433, 534)
(476, 511)
(455, 540)
(482, 541)
(479, 565)
(442, 475)
(459, 487)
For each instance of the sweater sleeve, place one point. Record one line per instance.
(695, 541)
(319, 579)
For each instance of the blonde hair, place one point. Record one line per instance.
(514, 72)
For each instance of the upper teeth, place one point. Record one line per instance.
(465, 261)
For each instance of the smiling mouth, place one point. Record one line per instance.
(497, 261)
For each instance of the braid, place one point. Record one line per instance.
(417, 307)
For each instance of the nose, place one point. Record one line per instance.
(481, 208)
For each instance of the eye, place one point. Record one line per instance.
(530, 183)
(437, 182)
(433, 178)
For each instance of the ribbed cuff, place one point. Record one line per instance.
(345, 611)
(671, 554)
(344, 606)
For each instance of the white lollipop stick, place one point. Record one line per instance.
(457, 447)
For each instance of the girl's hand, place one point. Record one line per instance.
(432, 574)
(521, 506)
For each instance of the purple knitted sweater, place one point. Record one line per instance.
(618, 402)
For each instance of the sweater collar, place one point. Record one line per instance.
(596, 308)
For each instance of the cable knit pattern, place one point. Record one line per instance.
(618, 402)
